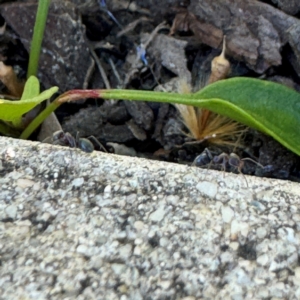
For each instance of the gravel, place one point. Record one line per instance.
(101, 226)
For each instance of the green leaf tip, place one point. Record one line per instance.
(31, 88)
(267, 106)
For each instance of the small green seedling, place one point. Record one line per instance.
(11, 112)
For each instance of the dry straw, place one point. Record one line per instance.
(203, 124)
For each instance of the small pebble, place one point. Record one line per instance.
(263, 260)
(209, 189)
(158, 215)
(25, 183)
(118, 268)
(78, 182)
(261, 232)
(11, 211)
(227, 214)
(83, 249)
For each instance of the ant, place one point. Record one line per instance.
(233, 160)
(66, 139)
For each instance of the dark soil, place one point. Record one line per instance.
(262, 43)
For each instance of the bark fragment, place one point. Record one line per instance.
(255, 31)
(207, 33)
(290, 7)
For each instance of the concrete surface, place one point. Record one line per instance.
(100, 226)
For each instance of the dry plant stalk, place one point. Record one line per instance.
(220, 68)
(203, 124)
(10, 80)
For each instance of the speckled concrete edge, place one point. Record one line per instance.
(102, 226)
(22, 149)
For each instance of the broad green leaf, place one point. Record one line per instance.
(13, 110)
(266, 106)
(31, 88)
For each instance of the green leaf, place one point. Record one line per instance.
(13, 110)
(266, 106)
(31, 88)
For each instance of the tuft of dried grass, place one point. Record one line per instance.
(203, 124)
(217, 129)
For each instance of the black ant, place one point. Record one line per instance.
(233, 160)
(66, 139)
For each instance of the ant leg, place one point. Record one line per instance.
(255, 162)
(240, 172)
(77, 137)
(221, 160)
(97, 142)
(238, 163)
(210, 157)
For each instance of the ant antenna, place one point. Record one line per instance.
(252, 160)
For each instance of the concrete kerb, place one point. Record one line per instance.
(99, 225)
